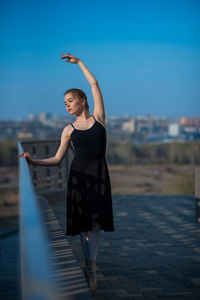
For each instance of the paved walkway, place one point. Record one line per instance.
(9, 259)
(154, 252)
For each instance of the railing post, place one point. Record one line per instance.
(197, 194)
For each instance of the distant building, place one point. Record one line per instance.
(190, 125)
(24, 135)
(45, 117)
(174, 129)
(129, 125)
(143, 124)
(195, 122)
(33, 117)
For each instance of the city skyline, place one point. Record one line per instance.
(144, 54)
(139, 129)
(30, 116)
(124, 115)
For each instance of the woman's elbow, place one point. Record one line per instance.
(57, 161)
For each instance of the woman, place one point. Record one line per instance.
(89, 199)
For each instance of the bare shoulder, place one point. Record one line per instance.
(100, 118)
(67, 131)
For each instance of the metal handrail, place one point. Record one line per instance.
(35, 256)
(48, 178)
(197, 194)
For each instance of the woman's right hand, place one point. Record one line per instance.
(27, 155)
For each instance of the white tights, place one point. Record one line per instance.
(90, 242)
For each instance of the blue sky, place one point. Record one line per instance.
(145, 55)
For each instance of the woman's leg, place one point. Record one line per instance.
(90, 246)
(93, 241)
(90, 242)
(84, 243)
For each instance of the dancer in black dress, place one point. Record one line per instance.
(89, 198)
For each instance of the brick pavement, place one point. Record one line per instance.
(154, 252)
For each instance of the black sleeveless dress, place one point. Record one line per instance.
(89, 197)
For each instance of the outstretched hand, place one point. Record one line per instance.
(27, 155)
(72, 59)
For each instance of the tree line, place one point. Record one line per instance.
(121, 153)
(170, 153)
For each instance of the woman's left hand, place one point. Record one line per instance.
(72, 59)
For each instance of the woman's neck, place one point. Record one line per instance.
(84, 116)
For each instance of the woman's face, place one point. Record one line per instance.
(73, 103)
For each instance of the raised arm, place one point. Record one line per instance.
(57, 159)
(99, 110)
